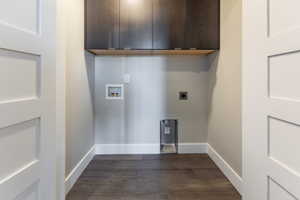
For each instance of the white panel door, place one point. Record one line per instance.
(271, 99)
(27, 99)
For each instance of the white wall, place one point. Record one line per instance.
(151, 95)
(79, 76)
(224, 124)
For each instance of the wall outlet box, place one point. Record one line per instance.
(126, 78)
(114, 91)
(183, 96)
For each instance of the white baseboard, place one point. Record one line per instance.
(233, 177)
(183, 148)
(78, 169)
(190, 148)
(127, 149)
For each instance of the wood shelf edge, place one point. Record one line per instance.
(150, 52)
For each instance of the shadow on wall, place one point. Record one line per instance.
(213, 62)
(90, 70)
(194, 64)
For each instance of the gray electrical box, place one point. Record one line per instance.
(183, 96)
(168, 136)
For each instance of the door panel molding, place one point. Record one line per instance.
(28, 34)
(271, 100)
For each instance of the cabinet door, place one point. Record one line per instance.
(202, 24)
(102, 24)
(136, 24)
(169, 22)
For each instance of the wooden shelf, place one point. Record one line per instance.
(150, 52)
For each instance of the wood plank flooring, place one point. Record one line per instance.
(153, 177)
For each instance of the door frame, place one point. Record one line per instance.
(244, 92)
(243, 97)
(60, 111)
(60, 105)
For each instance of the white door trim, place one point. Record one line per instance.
(61, 100)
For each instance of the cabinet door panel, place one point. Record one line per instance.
(136, 23)
(102, 24)
(169, 22)
(202, 24)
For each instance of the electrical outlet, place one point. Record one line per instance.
(183, 96)
(126, 78)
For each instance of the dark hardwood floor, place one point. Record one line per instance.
(153, 177)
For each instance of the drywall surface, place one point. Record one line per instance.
(151, 95)
(79, 88)
(224, 121)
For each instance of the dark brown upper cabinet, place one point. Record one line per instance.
(154, 25)
(202, 29)
(168, 24)
(102, 24)
(136, 24)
